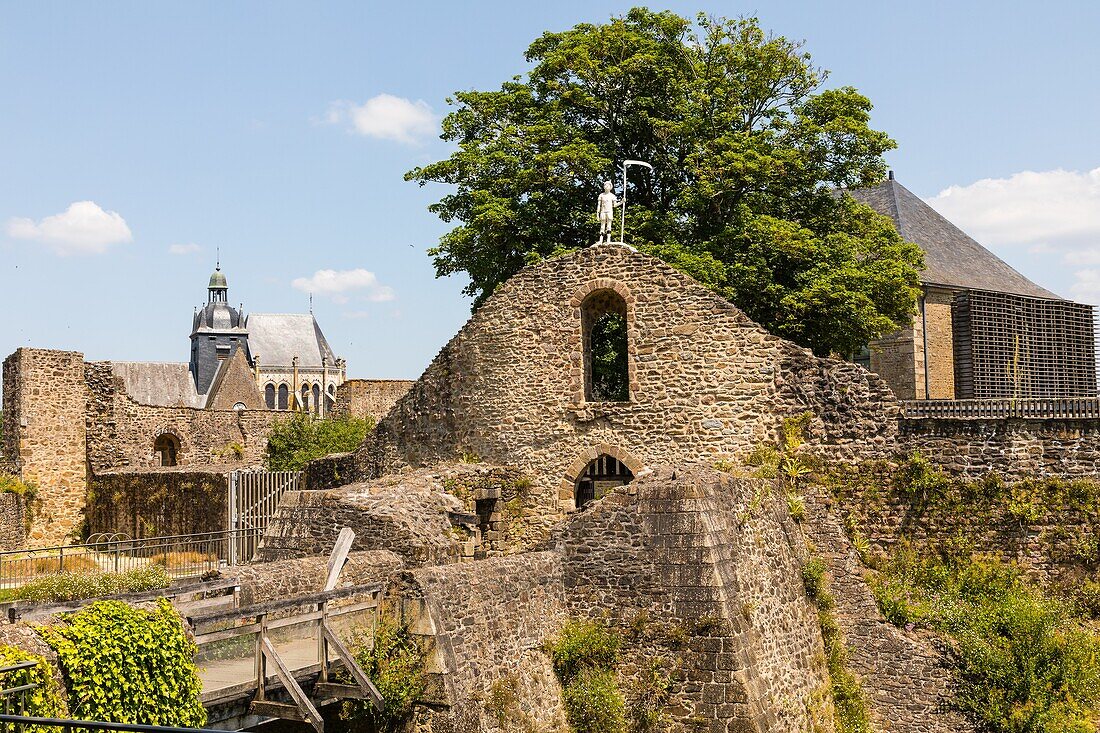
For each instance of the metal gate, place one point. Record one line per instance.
(253, 498)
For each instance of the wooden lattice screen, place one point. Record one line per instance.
(1018, 347)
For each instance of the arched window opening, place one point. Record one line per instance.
(316, 399)
(166, 448)
(605, 473)
(284, 397)
(606, 363)
(269, 396)
(305, 398)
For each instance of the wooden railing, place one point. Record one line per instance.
(1066, 408)
(251, 627)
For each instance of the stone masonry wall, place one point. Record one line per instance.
(705, 383)
(122, 432)
(940, 337)
(1016, 449)
(369, 397)
(44, 402)
(158, 502)
(13, 533)
(701, 572)
(487, 621)
(272, 581)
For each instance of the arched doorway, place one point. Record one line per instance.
(603, 474)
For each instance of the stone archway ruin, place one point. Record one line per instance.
(603, 464)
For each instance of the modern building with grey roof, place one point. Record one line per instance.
(983, 330)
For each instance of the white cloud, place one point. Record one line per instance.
(184, 249)
(340, 284)
(83, 228)
(386, 117)
(1054, 216)
(1033, 209)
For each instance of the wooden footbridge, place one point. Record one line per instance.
(276, 660)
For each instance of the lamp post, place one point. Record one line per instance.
(622, 212)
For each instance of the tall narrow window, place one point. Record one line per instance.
(166, 448)
(284, 397)
(269, 396)
(305, 398)
(316, 399)
(606, 364)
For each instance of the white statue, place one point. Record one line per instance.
(605, 211)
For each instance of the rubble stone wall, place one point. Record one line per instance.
(488, 621)
(1015, 449)
(122, 432)
(271, 581)
(13, 533)
(371, 398)
(706, 383)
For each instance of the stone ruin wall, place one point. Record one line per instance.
(158, 502)
(371, 398)
(121, 431)
(13, 528)
(44, 408)
(708, 590)
(706, 384)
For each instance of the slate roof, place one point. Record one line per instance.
(276, 338)
(161, 384)
(951, 257)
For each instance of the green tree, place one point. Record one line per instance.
(299, 439)
(748, 150)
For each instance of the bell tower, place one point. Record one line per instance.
(217, 331)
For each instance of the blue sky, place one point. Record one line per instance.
(250, 127)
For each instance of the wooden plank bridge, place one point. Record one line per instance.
(259, 661)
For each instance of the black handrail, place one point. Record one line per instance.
(23, 720)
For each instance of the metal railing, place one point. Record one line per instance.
(27, 724)
(182, 556)
(1066, 408)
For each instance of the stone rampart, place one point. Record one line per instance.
(13, 529)
(371, 398)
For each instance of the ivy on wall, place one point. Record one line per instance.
(128, 665)
(42, 702)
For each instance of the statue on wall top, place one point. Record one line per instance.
(605, 211)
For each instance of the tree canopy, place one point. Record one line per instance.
(748, 151)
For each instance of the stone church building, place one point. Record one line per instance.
(982, 330)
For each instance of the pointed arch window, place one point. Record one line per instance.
(269, 396)
(284, 396)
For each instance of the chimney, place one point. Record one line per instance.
(890, 175)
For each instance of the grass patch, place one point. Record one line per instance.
(188, 559)
(1025, 661)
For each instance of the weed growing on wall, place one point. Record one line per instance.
(299, 439)
(395, 663)
(27, 490)
(72, 586)
(584, 655)
(1026, 663)
(128, 665)
(42, 702)
(852, 714)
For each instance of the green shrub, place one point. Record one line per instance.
(582, 645)
(299, 439)
(920, 480)
(593, 703)
(128, 665)
(796, 507)
(44, 701)
(651, 694)
(1025, 662)
(76, 586)
(813, 578)
(395, 663)
(14, 485)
